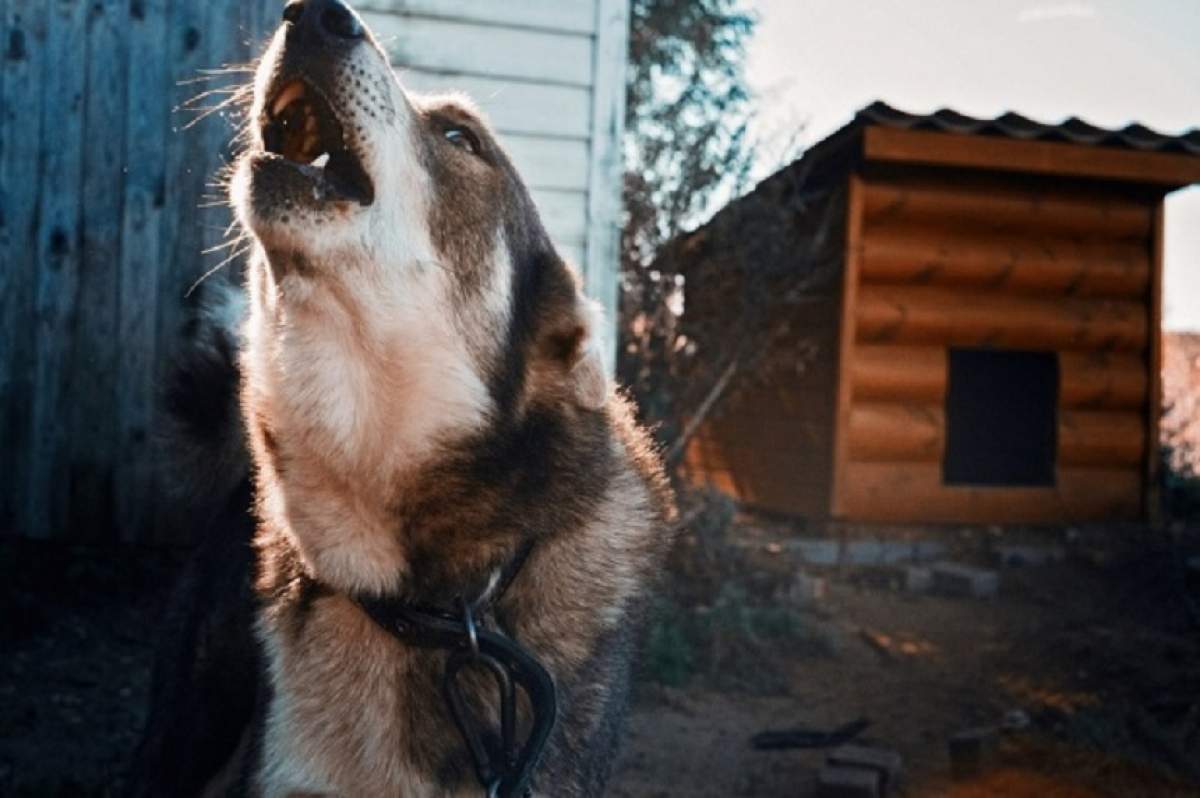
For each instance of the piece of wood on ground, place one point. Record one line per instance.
(842, 782)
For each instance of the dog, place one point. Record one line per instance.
(411, 419)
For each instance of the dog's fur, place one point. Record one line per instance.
(422, 394)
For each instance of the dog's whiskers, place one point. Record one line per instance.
(237, 253)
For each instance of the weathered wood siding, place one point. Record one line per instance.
(550, 75)
(938, 261)
(103, 219)
(108, 199)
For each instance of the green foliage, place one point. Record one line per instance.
(686, 115)
(1181, 486)
(736, 643)
(686, 150)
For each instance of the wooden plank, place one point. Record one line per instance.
(552, 163)
(95, 341)
(477, 49)
(1018, 263)
(59, 264)
(1169, 170)
(211, 139)
(197, 38)
(897, 432)
(1101, 381)
(514, 106)
(144, 260)
(260, 19)
(846, 346)
(914, 493)
(1101, 439)
(926, 315)
(913, 432)
(606, 178)
(21, 136)
(1153, 509)
(1003, 207)
(568, 16)
(899, 373)
(564, 213)
(1087, 380)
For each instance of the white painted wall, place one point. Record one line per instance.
(550, 74)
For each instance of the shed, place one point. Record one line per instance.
(107, 205)
(979, 303)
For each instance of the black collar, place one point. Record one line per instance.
(503, 770)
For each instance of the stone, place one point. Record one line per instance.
(807, 590)
(964, 580)
(840, 782)
(1016, 555)
(918, 579)
(969, 751)
(818, 552)
(885, 762)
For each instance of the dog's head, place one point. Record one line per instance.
(399, 220)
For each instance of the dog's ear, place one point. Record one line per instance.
(575, 347)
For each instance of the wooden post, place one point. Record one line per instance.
(59, 264)
(605, 177)
(845, 370)
(1152, 496)
(96, 346)
(143, 259)
(20, 129)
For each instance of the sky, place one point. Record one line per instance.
(813, 63)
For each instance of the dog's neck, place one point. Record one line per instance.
(357, 407)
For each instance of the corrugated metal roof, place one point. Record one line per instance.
(1014, 126)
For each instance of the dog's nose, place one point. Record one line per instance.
(329, 18)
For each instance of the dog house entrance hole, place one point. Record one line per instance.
(1001, 417)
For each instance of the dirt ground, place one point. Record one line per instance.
(1095, 653)
(1099, 652)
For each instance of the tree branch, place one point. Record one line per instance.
(675, 452)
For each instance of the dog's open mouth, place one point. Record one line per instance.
(300, 126)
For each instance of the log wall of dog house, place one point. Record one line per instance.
(938, 262)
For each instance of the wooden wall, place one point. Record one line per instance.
(769, 261)
(103, 223)
(109, 202)
(550, 75)
(771, 448)
(936, 261)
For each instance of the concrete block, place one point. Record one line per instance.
(926, 550)
(840, 782)
(970, 751)
(807, 590)
(862, 552)
(887, 763)
(963, 580)
(918, 579)
(818, 552)
(1017, 555)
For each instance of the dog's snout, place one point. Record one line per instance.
(329, 19)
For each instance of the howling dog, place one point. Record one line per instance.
(439, 521)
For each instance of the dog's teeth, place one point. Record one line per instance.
(321, 160)
(292, 91)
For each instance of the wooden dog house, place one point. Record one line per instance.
(986, 318)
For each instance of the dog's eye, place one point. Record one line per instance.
(463, 138)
